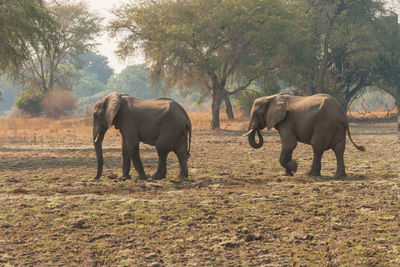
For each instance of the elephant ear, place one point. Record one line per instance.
(112, 107)
(276, 111)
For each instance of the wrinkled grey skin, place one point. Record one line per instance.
(160, 122)
(317, 120)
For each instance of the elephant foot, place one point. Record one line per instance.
(293, 165)
(125, 177)
(340, 174)
(141, 177)
(158, 176)
(182, 176)
(314, 173)
(288, 173)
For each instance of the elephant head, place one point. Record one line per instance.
(104, 114)
(265, 112)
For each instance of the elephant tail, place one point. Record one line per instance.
(361, 148)
(189, 132)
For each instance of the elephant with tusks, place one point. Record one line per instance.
(317, 120)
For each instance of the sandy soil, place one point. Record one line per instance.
(236, 208)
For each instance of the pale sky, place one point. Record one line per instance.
(107, 45)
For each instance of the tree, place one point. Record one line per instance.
(387, 65)
(205, 44)
(345, 47)
(133, 80)
(52, 66)
(93, 76)
(97, 64)
(23, 24)
(88, 84)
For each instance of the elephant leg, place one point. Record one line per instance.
(182, 155)
(126, 163)
(133, 149)
(162, 165)
(286, 156)
(316, 164)
(339, 153)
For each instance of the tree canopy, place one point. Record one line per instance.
(93, 75)
(23, 24)
(51, 64)
(205, 44)
(345, 45)
(97, 64)
(214, 49)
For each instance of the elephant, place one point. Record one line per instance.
(316, 120)
(160, 122)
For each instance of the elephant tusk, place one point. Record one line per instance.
(249, 132)
(97, 138)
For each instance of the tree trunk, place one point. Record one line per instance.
(228, 107)
(398, 116)
(216, 105)
(323, 66)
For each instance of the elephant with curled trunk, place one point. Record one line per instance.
(160, 122)
(317, 120)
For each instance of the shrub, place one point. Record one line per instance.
(30, 103)
(245, 100)
(58, 103)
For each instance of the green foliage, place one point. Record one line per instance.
(93, 78)
(387, 65)
(188, 42)
(52, 66)
(93, 63)
(206, 44)
(245, 100)
(133, 80)
(51, 63)
(345, 44)
(23, 24)
(30, 103)
(88, 85)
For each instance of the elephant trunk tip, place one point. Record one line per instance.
(99, 154)
(252, 140)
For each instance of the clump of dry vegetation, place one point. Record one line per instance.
(382, 113)
(58, 103)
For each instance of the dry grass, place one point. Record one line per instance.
(202, 120)
(43, 129)
(378, 114)
(69, 128)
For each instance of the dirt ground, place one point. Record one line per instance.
(236, 209)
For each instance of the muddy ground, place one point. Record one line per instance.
(236, 208)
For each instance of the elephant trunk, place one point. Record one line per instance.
(98, 140)
(252, 139)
